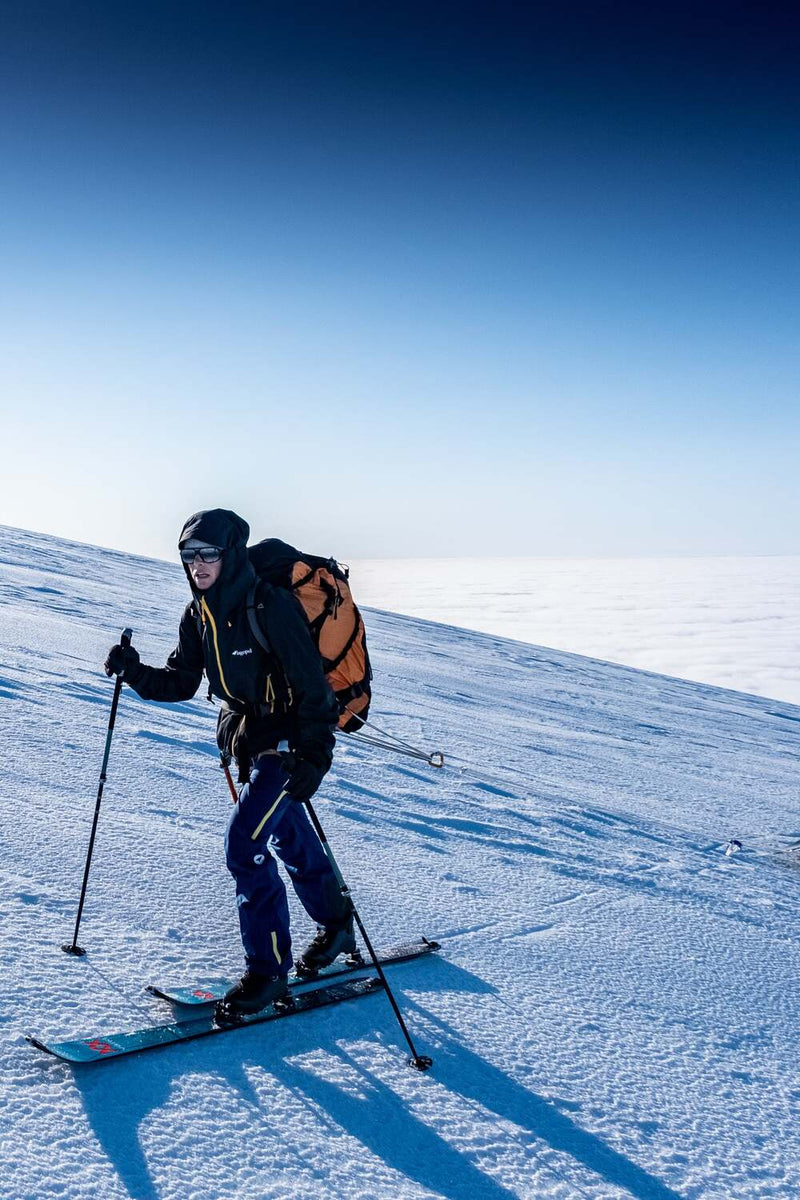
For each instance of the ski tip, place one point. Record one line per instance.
(430, 943)
(34, 1041)
(153, 989)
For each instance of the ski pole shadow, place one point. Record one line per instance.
(119, 1097)
(376, 1119)
(116, 1100)
(379, 1119)
(467, 1074)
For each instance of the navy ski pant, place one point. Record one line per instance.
(267, 821)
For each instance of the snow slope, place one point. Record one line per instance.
(614, 1012)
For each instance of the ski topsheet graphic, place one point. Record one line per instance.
(101, 1046)
(206, 991)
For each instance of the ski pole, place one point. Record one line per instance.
(224, 762)
(420, 1062)
(73, 947)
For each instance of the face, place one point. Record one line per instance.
(204, 575)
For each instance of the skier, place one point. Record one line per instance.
(276, 719)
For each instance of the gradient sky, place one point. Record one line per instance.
(402, 279)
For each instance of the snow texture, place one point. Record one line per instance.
(614, 1011)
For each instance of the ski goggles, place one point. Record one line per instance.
(206, 554)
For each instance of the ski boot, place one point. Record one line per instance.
(252, 993)
(330, 941)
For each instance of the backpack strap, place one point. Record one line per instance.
(283, 696)
(255, 624)
(329, 664)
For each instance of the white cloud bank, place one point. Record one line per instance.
(734, 622)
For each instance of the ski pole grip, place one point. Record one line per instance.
(125, 637)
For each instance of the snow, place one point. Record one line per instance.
(614, 1009)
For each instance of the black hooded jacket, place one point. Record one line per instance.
(265, 697)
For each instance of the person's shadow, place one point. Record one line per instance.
(118, 1097)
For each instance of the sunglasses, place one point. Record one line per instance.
(206, 554)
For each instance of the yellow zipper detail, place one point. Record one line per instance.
(267, 816)
(204, 609)
(269, 695)
(275, 946)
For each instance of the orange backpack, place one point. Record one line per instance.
(337, 627)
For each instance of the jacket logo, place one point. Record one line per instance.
(242, 653)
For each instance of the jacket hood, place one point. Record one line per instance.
(217, 526)
(226, 529)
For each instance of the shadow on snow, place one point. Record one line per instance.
(118, 1097)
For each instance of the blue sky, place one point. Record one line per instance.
(488, 280)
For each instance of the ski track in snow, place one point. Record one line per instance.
(614, 1010)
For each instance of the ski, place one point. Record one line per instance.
(207, 991)
(100, 1046)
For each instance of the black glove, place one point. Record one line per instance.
(122, 660)
(305, 776)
